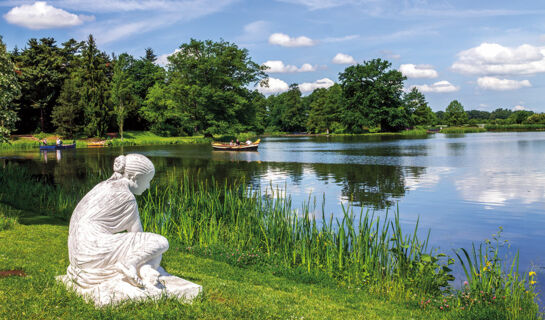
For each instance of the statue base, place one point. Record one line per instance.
(118, 290)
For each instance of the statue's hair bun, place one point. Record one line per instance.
(119, 164)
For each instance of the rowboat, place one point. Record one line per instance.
(242, 147)
(97, 144)
(61, 147)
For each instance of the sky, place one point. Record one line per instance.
(486, 54)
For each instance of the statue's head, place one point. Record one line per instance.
(138, 169)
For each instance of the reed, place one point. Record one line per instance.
(516, 127)
(462, 130)
(358, 248)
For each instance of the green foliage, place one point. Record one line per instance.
(455, 114)
(209, 80)
(95, 74)
(9, 90)
(462, 130)
(372, 97)
(519, 116)
(6, 222)
(489, 278)
(417, 107)
(68, 115)
(122, 92)
(324, 114)
(536, 118)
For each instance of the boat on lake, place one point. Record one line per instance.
(97, 144)
(56, 147)
(233, 147)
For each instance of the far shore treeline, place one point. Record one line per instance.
(76, 90)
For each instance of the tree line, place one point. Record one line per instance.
(208, 87)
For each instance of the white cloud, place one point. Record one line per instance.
(277, 66)
(342, 58)
(275, 86)
(341, 39)
(284, 40)
(492, 83)
(157, 14)
(492, 58)
(40, 15)
(439, 87)
(418, 71)
(520, 108)
(162, 60)
(311, 86)
(319, 4)
(389, 54)
(253, 31)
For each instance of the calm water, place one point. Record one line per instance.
(463, 187)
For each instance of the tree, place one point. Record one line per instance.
(212, 79)
(67, 114)
(9, 90)
(122, 96)
(417, 107)
(95, 73)
(294, 114)
(43, 71)
(372, 97)
(455, 114)
(536, 118)
(324, 109)
(519, 116)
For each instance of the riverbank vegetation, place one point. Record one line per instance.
(357, 254)
(207, 88)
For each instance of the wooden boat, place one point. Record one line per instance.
(98, 144)
(61, 147)
(242, 147)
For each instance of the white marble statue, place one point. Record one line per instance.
(111, 258)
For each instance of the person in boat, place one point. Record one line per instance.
(231, 143)
(44, 141)
(248, 142)
(59, 142)
(238, 143)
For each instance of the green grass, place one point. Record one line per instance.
(354, 259)
(131, 138)
(230, 292)
(462, 130)
(515, 127)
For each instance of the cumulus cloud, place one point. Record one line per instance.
(342, 58)
(275, 86)
(418, 71)
(162, 60)
(284, 40)
(492, 83)
(492, 59)
(311, 86)
(40, 15)
(277, 66)
(439, 87)
(520, 108)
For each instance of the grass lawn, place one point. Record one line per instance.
(229, 292)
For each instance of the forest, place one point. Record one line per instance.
(208, 87)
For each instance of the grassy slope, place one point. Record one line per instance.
(230, 292)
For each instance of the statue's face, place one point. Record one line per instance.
(142, 183)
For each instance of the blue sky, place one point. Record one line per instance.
(486, 54)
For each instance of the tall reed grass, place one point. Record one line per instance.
(515, 127)
(462, 130)
(356, 247)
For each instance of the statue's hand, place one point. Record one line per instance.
(131, 275)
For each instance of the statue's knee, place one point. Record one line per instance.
(162, 243)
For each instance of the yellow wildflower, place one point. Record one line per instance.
(532, 273)
(532, 282)
(485, 268)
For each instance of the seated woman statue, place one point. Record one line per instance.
(108, 250)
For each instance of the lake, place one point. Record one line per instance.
(462, 187)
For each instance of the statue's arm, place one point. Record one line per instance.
(136, 225)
